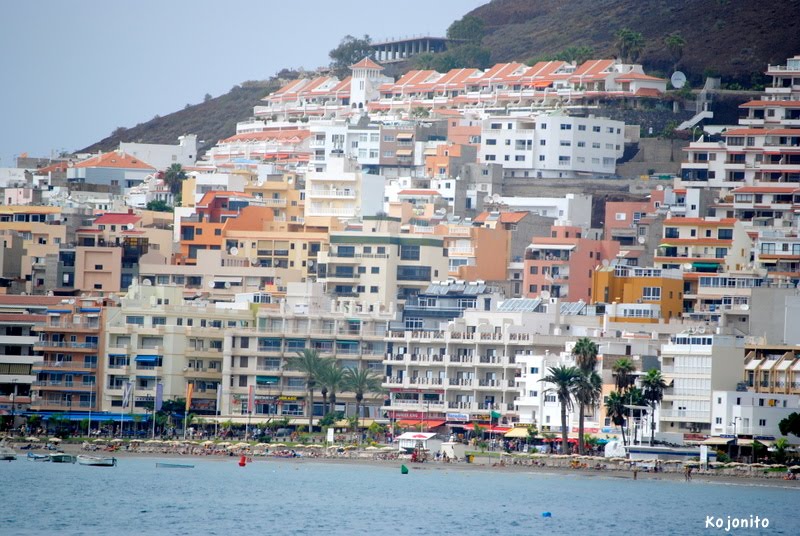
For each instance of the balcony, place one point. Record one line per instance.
(465, 251)
(61, 405)
(69, 326)
(685, 415)
(48, 385)
(332, 193)
(65, 365)
(425, 381)
(460, 360)
(79, 346)
(460, 382)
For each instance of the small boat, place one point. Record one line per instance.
(7, 453)
(97, 461)
(35, 457)
(61, 457)
(174, 465)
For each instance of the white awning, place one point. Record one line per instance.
(415, 436)
(753, 365)
(562, 247)
(227, 279)
(404, 136)
(717, 441)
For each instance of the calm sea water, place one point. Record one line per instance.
(280, 497)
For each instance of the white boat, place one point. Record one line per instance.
(35, 457)
(60, 457)
(99, 461)
(7, 453)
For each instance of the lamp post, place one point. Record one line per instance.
(13, 404)
(736, 436)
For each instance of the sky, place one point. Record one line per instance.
(72, 72)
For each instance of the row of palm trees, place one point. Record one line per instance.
(582, 385)
(330, 377)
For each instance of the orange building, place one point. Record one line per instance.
(446, 158)
(203, 230)
(639, 294)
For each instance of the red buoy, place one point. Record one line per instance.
(242, 461)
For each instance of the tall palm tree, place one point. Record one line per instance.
(653, 385)
(623, 374)
(564, 379)
(174, 177)
(361, 381)
(331, 379)
(586, 391)
(310, 363)
(615, 410)
(585, 352)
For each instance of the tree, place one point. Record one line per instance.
(629, 44)
(207, 97)
(468, 29)
(159, 206)
(790, 425)
(615, 410)
(311, 364)
(623, 374)
(586, 390)
(780, 449)
(585, 352)
(361, 381)
(675, 43)
(331, 380)
(351, 50)
(174, 177)
(564, 379)
(653, 387)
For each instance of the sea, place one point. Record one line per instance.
(277, 497)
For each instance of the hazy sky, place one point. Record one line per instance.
(72, 71)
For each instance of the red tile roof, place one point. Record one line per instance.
(114, 159)
(505, 217)
(766, 190)
(418, 192)
(769, 103)
(270, 135)
(117, 218)
(761, 132)
(700, 221)
(647, 92)
(366, 63)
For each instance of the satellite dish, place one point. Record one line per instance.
(130, 227)
(687, 266)
(678, 79)
(254, 261)
(641, 240)
(545, 294)
(605, 262)
(745, 307)
(146, 283)
(211, 284)
(227, 284)
(701, 330)
(234, 251)
(71, 301)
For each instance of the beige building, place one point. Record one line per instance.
(378, 264)
(42, 235)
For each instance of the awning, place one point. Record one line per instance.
(227, 279)
(146, 358)
(563, 247)
(404, 152)
(712, 265)
(542, 83)
(518, 432)
(717, 441)
(405, 136)
(765, 442)
(497, 430)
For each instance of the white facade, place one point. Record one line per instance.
(756, 414)
(337, 138)
(694, 365)
(552, 145)
(163, 156)
(573, 208)
(343, 191)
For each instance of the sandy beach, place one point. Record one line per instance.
(544, 465)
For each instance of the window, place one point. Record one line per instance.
(543, 126)
(244, 342)
(374, 270)
(534, 370)
(159, 321)
(491, 142)
(725, 234)
(595, 145)
(566, 126)
(595, 129)
(373, 289)
(533, 288)
(409, 253)
(718, 420)
(136, 320)
(651, 293)
(534, 270)
(762, 422)
(490, 158)
(414, 273)
(98, 266)
(565, 143)
(542, 142)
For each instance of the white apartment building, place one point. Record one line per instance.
(342, 191)
(694, 364)
(552, 145)
(156, 336)
(745, 413)
(573, 208)
(162, 156)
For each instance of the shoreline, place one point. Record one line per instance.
(546, 466)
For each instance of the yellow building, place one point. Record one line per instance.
(42, 234)
(639, 294)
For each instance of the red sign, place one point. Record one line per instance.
(406, 414)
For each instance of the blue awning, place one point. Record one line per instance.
(82, 415)
(58, 311)
(146, 358)
(89, 309)
(117, 355)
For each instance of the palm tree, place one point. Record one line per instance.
(675, 43)
(361, 381)
(615, 410)
(310, 363)
(564, 379)
(587, 391)
(622, 371)
(174, 177)
(629, 44)
(653, 385)
(331, 378)
(585, 352)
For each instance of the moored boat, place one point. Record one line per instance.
(61, 457)
(174, 465)
(98, 461)
(35, 457)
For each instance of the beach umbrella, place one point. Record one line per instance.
(32, 439)
(387, 447)
(136, 440)
(152, 442)
(278, 445)
(207, 443)
(116, 440)
(55, 440)
(313, 446)
(99, 441)
(242, 445)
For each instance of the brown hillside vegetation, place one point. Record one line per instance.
(211, 120)
(732, 38)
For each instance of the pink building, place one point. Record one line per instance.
(562, 264)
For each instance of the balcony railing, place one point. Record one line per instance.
(65, 344)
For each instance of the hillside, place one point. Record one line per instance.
(733, 38)
(211, 120)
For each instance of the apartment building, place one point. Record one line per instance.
(116, 169)
(573, 208)
(68, 369)
(751, 416)
(379, 264)
(638, 294)
(42, 235)
(279, 142)
(772, 369)
(695, 364)
(341, 192)
(358, 140)
(777, 252)
(552, 145)
(157, 336)
(443, 301)
(762, 206)
(761, 151)
(562, 264)
(203, 230)
(283, 193)
(351, 332)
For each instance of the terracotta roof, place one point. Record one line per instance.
(366, 63)
(699, 241)
(23, 301)
(647, 92)
(114, 159)
(22, 318)
(700, 221)
(270, 135)
(505, 217)
(418, 192)
(637, 76)
(762, 132)
(769, 103)
(766, 190)
(117, 218)
(58, 166)
(209, 196)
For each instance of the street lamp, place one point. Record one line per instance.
(13, 404)
(736, 436)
